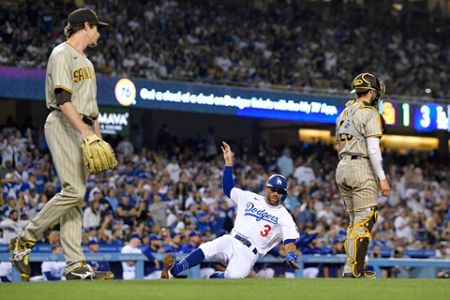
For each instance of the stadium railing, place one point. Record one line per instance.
(423, 268)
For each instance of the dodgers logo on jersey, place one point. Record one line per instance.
(259, 214)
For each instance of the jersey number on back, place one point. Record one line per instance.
(266, 230)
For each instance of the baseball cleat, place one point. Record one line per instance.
(85, 272)
(369, 275)
(168, 261)
(364, 274)
(21, 250)
(217, 275)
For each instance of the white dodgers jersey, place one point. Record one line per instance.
(56, 268)
(264, 225)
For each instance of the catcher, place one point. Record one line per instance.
(359, 174)
(73, 136)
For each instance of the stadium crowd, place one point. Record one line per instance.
(302, 45)
(169, 198)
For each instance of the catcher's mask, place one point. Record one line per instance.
(365, 82)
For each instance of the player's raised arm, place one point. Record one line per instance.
(227, 178)
(227, 154)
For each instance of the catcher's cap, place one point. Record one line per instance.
(366, 81)
(81, 15)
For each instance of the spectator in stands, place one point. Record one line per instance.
(91, 214)
(285, 163)
(203, 222)
(158, 210)
(3, 143)
(11, 152)
(111, 198)
(11, 226)
(125, 150)
(305, 213)
(174, 169)
(126, 211)
(403, 226)
(304, 173)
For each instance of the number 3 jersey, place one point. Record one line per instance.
(264, 225)
(356, 123)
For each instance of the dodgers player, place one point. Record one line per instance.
(5, 271)
(129, 267)
(102, 266)
(71, 91)
(262, 222)
(53, 270)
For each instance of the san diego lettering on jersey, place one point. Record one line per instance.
(259, 214)
(82, 74)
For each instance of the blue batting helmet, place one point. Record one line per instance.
(278, 181)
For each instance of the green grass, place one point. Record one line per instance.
(258, 289)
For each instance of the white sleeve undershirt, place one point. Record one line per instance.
(373, 147)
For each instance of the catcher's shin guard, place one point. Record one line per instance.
(358, 238)
(20, 250)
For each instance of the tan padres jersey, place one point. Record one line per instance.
(74, 72)
(365, 122)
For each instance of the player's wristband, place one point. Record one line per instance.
(291, 256)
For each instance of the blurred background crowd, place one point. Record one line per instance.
(169, 197)
(301, 45)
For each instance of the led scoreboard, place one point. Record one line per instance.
(427, 117)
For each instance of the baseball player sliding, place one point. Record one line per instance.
(262, 222)
(74, 139)
(359, 174)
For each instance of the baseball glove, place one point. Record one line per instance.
(97, 154)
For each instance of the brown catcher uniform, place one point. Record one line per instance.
(355, 177)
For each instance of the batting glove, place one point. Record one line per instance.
(291, 259)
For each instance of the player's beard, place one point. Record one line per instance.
(271, 201)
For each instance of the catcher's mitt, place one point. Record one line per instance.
(97, 154)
